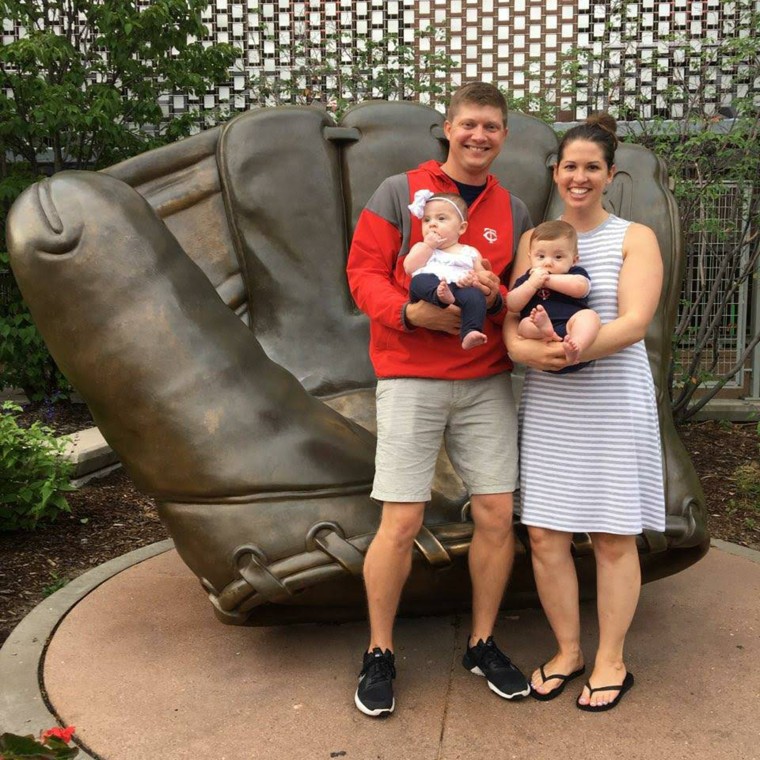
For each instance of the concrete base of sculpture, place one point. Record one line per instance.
(170, 682)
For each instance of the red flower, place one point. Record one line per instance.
(64, 734)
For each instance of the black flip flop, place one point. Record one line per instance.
(621, 689)
(557, 690)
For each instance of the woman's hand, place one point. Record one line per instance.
(547, 355)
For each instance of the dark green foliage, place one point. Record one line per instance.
(85, 82)
(34, 475)
(14, 747)
(82, 90)
(24, 359)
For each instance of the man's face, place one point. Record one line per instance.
(475, 136)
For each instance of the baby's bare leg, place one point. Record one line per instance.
(526, 329)
(444, 293)
(541, 320)
(582, 329)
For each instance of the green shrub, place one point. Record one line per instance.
(24, 359)
(34, 475)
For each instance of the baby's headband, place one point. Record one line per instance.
(422, 197)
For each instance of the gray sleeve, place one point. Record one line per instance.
(521, 221)
(390, 202)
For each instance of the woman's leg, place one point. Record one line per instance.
(618, 582)
(557, 584)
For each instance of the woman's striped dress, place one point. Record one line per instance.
(590, 456)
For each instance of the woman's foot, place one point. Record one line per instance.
(603, 675)
(444, 293)
(473, 338)
(564, 664)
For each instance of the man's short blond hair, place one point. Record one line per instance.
(477, 94)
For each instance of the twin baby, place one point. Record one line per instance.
(551, 297)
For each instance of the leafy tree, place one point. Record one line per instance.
(83, 87)
(86, 80)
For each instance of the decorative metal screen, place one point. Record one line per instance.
(520, 45)
(710, 290)
(641, 46)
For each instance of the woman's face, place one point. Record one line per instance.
(582, 175)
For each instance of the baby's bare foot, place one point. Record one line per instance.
(473, 339)
(444, 293)
(572, 350)
(541, 320)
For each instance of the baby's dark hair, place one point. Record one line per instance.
(555, 230)
(600, 128)
(457, 200)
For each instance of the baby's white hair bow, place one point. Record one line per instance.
(417, 206)
(421, 197)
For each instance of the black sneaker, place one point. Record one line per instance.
(375, 693)
(486, 659)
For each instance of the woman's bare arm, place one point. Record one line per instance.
(639, 289)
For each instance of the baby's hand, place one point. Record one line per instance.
(467, 280)
(538, 277)
(432, 239)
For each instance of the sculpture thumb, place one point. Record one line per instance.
(178, 385)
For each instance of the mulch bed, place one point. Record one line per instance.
(110, 518)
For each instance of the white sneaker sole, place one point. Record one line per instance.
(516, 695)
(374, 713)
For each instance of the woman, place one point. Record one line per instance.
(590, 444)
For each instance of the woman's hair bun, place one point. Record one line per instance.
(604, 120)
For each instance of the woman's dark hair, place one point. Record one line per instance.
(600, 129)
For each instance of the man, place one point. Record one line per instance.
(428, 385)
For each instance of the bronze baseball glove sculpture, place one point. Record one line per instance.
(195, 296)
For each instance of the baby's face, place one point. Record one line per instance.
(555, 256)
(442, 218)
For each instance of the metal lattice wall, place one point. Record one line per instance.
(642, 46)
(712, 287)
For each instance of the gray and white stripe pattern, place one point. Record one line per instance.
(590, 453)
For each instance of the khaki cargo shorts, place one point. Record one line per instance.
(476, 420)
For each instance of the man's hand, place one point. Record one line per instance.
(424, 314)
(486, 281)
